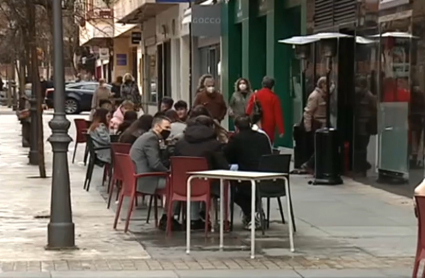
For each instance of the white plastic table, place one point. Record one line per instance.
(253, 177)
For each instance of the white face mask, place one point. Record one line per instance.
(210, 89)
(242, 87)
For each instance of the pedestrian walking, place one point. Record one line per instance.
(101, 93)
(265, 104)
(212, 99)
(240, 97)
(130, 91)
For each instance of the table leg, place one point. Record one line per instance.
(291, 225)
(221, 215)
(253, 219)
(189, 194)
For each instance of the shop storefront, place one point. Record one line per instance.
(378, 100)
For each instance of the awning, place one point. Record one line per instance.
(120, 29)
(187, 16)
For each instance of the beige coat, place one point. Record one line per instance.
(99, 94)
(315, 110)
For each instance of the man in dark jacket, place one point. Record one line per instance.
(213, 100)
(200, 140)
(245, 149)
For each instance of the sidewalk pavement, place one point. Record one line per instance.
(352, 228)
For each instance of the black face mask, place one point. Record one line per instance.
(165, 134)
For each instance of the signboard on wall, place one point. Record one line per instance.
(386, 4)
(206, 20)
(121, 59)
(136, 37)
(104, 54)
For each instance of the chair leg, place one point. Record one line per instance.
(87, 177)
(86, 154)
(117, 214)
(105, 174)
(268, 213)
(111, 192)
(149, 209)
(119, 186)
(279, 202)
(90, 169)
(156, 210)
(75, 151)
(232, 206)
(130, 211)
(226, 207)
(168, 228)
(260, 210)
(136, 201)
(207, 215)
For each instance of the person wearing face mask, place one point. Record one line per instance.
(213, 100)
(146, 155)
(240, 98)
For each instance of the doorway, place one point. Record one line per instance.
(164, 70)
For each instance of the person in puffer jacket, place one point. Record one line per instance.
(118, 116)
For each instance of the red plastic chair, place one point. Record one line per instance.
(420, 251)
(81, 127)
(178, 190)
(129, 188)
(117, 177)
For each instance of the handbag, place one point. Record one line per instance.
(257, 111)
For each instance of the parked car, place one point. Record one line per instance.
(78, 96)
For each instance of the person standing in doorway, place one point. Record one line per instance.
(212, 99)
(271, 111)
(239, 100)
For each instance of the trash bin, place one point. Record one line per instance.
(327, 157)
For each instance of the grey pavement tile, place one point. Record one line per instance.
(25, 275)
(398, 272)
(343, 273)
(239, 274)
(114, 274)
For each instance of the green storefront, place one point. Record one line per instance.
(250, 33)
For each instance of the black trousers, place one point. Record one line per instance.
(242, 196)
(360, 153)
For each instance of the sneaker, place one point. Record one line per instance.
(248, 225)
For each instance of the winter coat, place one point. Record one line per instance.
(130, 91)
(272, 117)
(214, 102)
(201, 141)
(101, 138)
(239, 101)
(315, 110)
(117, 119)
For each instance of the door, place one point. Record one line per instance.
(394, 100)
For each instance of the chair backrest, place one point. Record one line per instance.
(90, 146)
(128, 170)
(114, 138)
(420, 209)
(180, 166)
(116, 148)
(81, 128)
(274, 163)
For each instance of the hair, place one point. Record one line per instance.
(119, 79)
(248, 84)
(127, 104)
(104, 101)
(159, 119)
(168, 101)
(198, 111)
(128, 77)
(129, 118)
(268, 82)
(243, 123)
(321, 82)
(159, 114)
(99, 117)
(203, 120)
(143, 123)
(181, 104)
(202, 81)
(172, 115)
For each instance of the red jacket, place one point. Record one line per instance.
(272, 111)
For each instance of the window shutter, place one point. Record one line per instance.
(334, 12)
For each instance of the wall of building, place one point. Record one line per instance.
(122, 46)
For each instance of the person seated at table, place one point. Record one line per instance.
(106, 104)
(129, 118)
(137, 128)
(222, 134)
(166, 104)
(181, 109)
(146, 155)
(118, 116)
(177, 126)
(200, 140)
(99, 133)
(245, 148)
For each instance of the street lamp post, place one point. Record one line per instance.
(61, 229)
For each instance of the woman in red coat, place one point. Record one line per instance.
(272, 117)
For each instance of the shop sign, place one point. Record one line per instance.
(386, 4)
(136, 37)
(121, 59)
(206, 21)
(104, 54)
